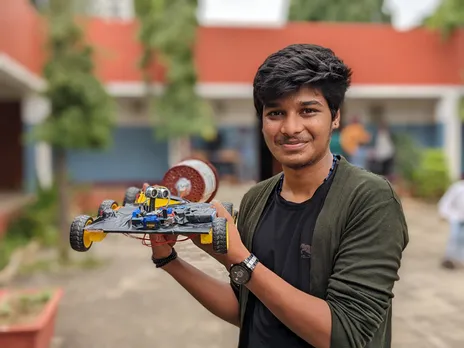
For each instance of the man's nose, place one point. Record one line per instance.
(292, 124)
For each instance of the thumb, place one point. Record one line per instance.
(221, 211)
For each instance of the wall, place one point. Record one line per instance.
(236, 112)
(132, 112)
(22, 34)
(134, 157)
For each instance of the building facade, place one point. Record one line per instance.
(413, 79)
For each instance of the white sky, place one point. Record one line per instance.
(406, 14)
(245, 13)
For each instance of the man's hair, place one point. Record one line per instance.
(299, 65)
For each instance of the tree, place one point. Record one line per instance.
(168, 30)
(337, 11)
(448, 17)
(81, 112)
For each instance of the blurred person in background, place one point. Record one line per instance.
(353, 139)
(383, 155)
(451, 208)
(317, 248)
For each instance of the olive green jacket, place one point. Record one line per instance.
(357, 247)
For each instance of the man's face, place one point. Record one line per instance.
(297, 128)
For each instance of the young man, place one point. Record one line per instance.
(317, 248)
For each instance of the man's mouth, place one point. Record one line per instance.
(293, 142)
(293, 145)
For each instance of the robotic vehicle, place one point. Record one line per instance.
(152, 210)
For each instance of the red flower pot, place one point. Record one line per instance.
(35, 334)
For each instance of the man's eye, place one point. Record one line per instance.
(309, 111)
(275, 113)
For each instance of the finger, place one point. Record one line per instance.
(171, 239)
(157, 238)
(221, 211)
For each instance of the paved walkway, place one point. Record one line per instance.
(128, 303)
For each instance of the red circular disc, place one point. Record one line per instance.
(198, 183)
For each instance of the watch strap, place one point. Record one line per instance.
(250, 262)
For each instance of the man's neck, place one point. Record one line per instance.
(300, 184)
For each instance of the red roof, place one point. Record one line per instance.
(377, 53)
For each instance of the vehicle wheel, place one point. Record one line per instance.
(220, 236)
(107, 204)
(229, 207)
(77, 236)
(131, 195)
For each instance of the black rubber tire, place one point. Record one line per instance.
(229, 207)
(106, 204)
(220, 235)
(76, 233)
(131, 195)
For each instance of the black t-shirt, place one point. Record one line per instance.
(282, 243)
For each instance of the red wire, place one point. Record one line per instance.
(146, 240)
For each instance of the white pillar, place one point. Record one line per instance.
(35, 109)
(447, 112)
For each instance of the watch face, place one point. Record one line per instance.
(239, 274)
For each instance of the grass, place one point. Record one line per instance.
(20, 308)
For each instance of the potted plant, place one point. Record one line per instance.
(27, 317)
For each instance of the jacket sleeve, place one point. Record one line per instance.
(365, 270)
(242, 214)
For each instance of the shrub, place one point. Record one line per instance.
(35, 221)
(407, 157)
(431, 177)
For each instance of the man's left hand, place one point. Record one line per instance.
(237, 251)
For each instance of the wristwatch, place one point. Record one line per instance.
(240, 273)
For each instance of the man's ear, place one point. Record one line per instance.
(336, 120)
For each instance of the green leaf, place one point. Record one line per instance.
(167, 33)
(448, 17)
(337, 11)
(82, 113)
